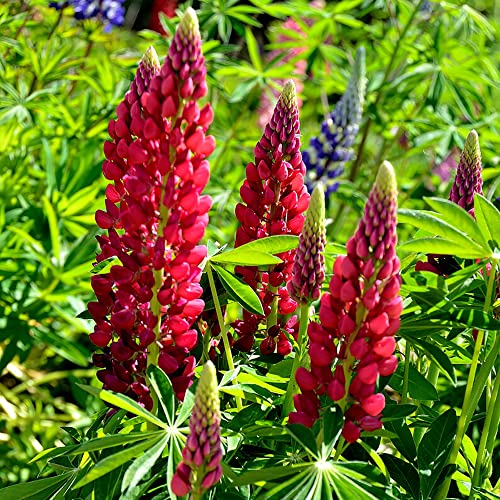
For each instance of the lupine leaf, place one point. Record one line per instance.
(163, 388)
(269, 474)
(403, 473)
(434, 450)
(45, 487)
(116, 460)
(434, 225)
(245, 257)
(442, 246)
(488, 218)
(239, 291)
(456, 216)
(142, 465)
(304, 436)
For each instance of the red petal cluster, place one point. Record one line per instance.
(274, 201)
(155, 216)
(353, 344)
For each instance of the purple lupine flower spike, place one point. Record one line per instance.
(200, 468)
(308, 271)
(110, 12)
(468, 179)
(332, 148)
(353, 343)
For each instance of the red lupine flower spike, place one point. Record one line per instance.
(274, 201)
(147, 304)
(353, 343)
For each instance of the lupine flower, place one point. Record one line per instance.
(155, 217)
(332, 148)
(200, 467)
(274, 200)
(353, 343)
(110, 12)
(308, 271)
(468, 181)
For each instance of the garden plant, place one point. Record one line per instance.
(249, 250)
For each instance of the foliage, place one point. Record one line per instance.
(432, 76)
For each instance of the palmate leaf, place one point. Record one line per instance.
(163, 388)
(457, 233)
(36, 490)
(488, 219)
(403, 473)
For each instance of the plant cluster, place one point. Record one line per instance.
(259, 327)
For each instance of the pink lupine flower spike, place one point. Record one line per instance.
(353, 344)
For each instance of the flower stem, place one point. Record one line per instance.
(488, 435)
(291, 389)
(220, 318)
(406, 375)
(474, 387)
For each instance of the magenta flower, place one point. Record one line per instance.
(353, 343)
(308, 271)
(155, 217)
(200, 468)
(274, 200)
(468, 180)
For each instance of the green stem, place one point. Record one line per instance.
(272, 319)
(488, 435)
(474, 387)
(339, 449)
(291, 389)
(220, 318)
(432, 377)
(406, 375)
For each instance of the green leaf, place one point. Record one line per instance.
(116, 460)
(434, 450)
(333, 422)
(41, 488)
(239, 291)
(488, 219)
(456, 216)
(439, 357)
(304, 436)
(273, 244)
(105, 265)
(440, 246)
(397, 411)
(136, 472)
(245, 257)
(404, 442)
(103, 443)
(403, 473)
(163, 388)
(269, 474)
(186, 407)
(418, 386)
(431, 223)
(253, 49)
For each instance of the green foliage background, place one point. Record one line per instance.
(429, 84)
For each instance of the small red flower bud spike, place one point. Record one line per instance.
(155, 217)
(274, 200)
(201, 468)
(354, 342)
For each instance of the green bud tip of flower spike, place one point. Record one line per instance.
(150, 58)
(315, 215)
(472, 152)
(289, 95)
(188, 25)
(386, 179)
(358, 77)
(207, 396)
